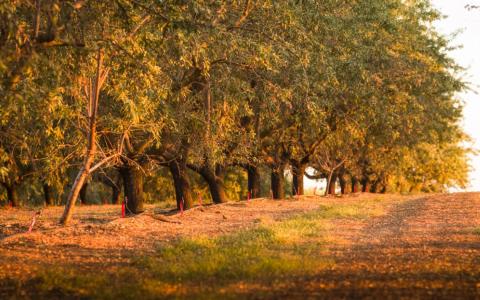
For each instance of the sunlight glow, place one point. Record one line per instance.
(468, 21)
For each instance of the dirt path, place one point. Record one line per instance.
(423, 248)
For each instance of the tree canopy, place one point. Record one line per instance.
(360, 91)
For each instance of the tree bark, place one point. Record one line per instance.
(47, 192)
(253, 181)
(214, 179)
(343, 184)
(12, 195)
(117, 192)
(116, 186)
(366, 185)
(329, 180)
(75, 191)
(93, 98)
(215, 184)
(298, 171)
(133, 189)
(178, 169)
(355, 185)
(332, 184)
(278, 183)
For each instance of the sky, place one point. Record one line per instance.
(459, 18)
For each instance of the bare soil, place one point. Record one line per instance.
(423, 247)
(99, 237)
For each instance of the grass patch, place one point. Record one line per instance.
(274, 251)
(477, 230)
(291, 247)
(256, 254)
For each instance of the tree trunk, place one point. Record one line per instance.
(332, 184)
(74, 192)
(343, 184)
(116, 186)
(117, 192)
(83, 193)
(178, 169)
(47, 192)
(278, 183)
(366, 185)
(215, 183)
(383, 190)
(297, 172)
(12, 195)
(133, 189)
(355, 185)
(92, 107)
(253, 181)
(329, 180)
(374, 187)
(383, 185)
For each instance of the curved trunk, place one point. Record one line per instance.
(253, 181)
(133, 189)
(75, 191)
(47, 192)
(181, 183)
(297, 172)
(278, 183)
(217, 191)
(215, 183)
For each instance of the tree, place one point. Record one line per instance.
(216, 91)
(92, 93)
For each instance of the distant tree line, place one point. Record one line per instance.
(225, 96)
